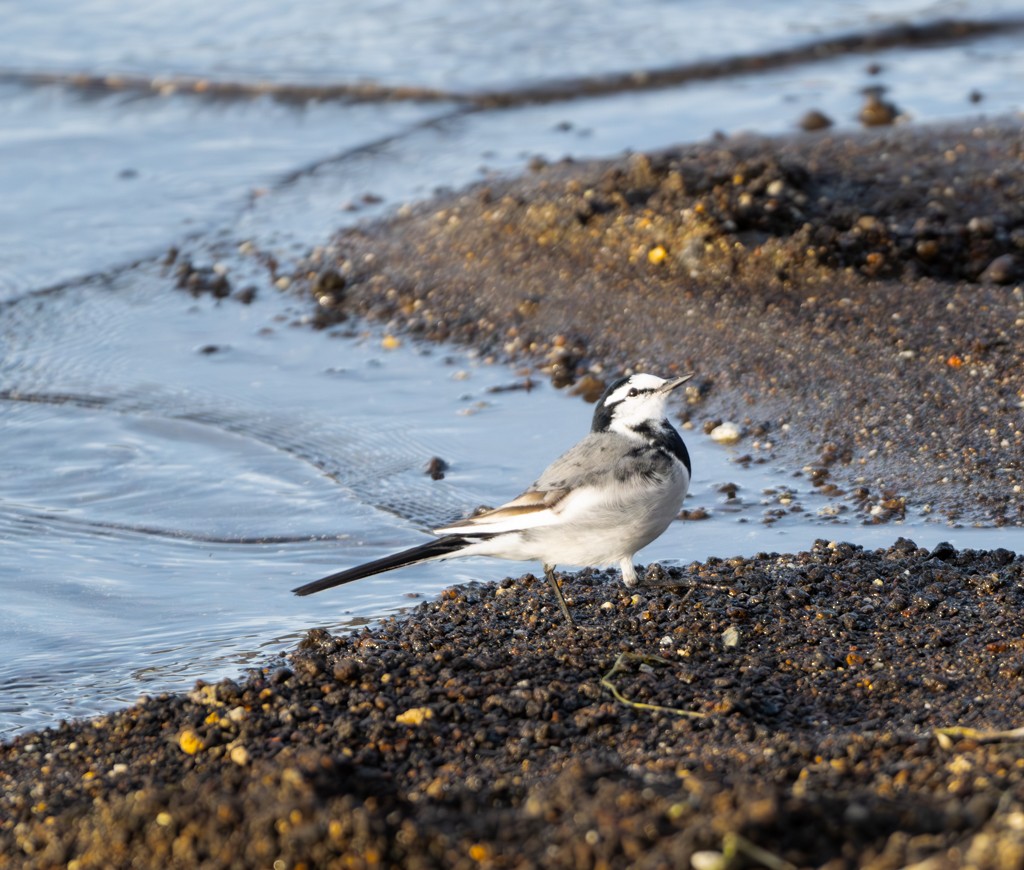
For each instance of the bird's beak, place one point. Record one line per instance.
(672, 383)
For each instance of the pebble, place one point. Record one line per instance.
(707, 859)
(1004, 269)
(876, 111)
(726, 433)
(414, 716)
(815, 120)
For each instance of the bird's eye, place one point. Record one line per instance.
(633, 392)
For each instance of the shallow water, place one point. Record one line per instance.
(432, 43)
(173, 466)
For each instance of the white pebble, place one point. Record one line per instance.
(726, 433)
(707, 860)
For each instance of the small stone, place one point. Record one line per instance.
(655, 574)
(708, 860)
(657, 255)
(415, 716)
(869, 224)
(590, 388)
(815, 120)
(877, 112)
(436, 468)
(190, 742)
(1004, 269)
(726, 433)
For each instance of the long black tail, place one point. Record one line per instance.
(435, 549)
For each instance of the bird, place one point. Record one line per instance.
(595, 506)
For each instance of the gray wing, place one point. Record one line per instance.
(591, 461)
(599, 458)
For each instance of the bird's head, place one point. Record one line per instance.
(632, 401)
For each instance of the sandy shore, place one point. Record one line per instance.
(855, 300)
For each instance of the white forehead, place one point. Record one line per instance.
(636, 382)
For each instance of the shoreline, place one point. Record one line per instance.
(856, 709)
(859, 708)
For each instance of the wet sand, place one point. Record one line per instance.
(856, 300)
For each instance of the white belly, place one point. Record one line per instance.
(594, 530)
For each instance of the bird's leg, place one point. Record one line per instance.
(549, 572)
(629, 572)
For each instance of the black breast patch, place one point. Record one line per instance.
(665, 437)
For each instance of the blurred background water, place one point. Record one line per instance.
(171, 466)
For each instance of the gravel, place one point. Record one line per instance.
(854, 709)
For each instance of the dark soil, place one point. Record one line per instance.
(824, 679)
(859, 299)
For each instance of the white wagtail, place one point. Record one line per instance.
(596, 505)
